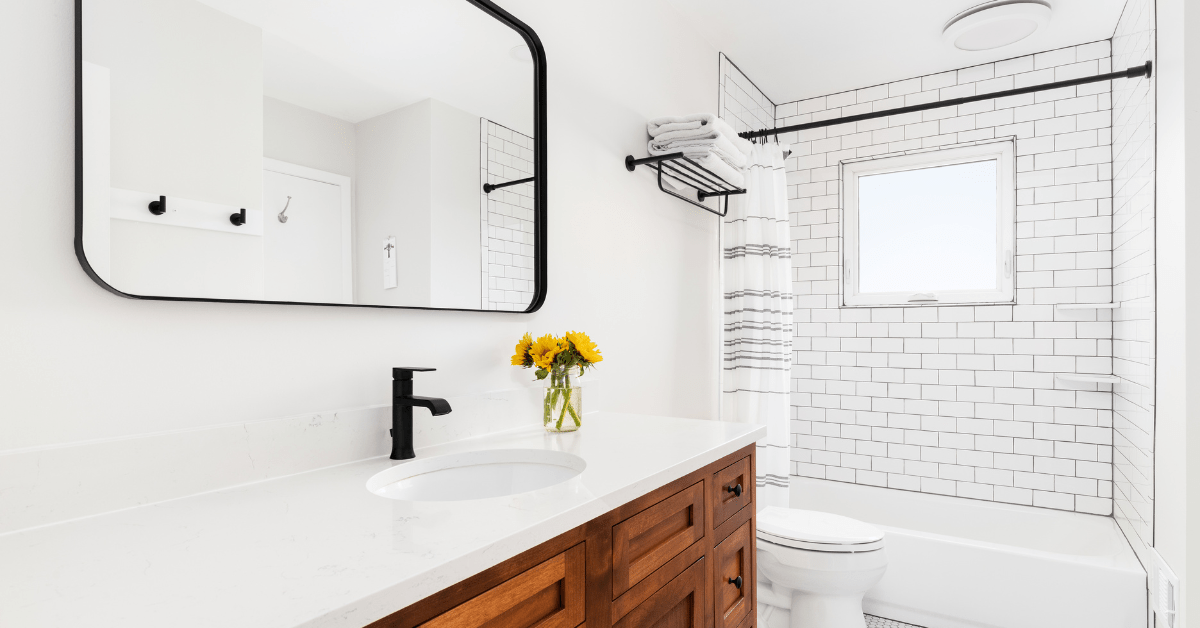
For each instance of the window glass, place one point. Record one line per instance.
(928, 229)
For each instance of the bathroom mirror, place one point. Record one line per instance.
(380, 153)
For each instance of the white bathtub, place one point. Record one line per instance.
(961, 563)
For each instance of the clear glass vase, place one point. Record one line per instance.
(562, 408)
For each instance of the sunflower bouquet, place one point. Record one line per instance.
(557, 358)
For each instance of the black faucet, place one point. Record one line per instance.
(403, 402)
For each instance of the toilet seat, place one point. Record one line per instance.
(817, 531)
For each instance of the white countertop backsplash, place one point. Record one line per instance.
(47, 485)
(316, 548)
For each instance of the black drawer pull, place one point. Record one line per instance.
(736, 490)
(737, 582)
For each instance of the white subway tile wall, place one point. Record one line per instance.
(506, 218)
(1133, 279)
(963, 401)
(739, 101)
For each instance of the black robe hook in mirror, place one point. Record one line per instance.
(158, 207)
(239, 218)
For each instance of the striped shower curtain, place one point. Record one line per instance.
(757, 278)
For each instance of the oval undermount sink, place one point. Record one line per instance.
(476, 475)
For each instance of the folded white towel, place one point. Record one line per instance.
(699, 125)
(694, 134)
(711, 128)
(699, 146)
(666, 124)
(704, 139)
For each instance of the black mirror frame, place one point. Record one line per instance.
(539, 169)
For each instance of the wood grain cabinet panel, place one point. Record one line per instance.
(679, 604)
(662, 560)
(733, 577)
(733, 489)
(750, 620)
(651, 538)
(550, 595)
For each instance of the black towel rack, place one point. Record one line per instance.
(488, 188)
(690, 173)
(708, 184)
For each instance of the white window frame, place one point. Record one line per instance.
(1004, 155)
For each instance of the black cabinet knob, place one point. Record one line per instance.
(736, 490)
(737, 582)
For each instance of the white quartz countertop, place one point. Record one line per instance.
(317, 549)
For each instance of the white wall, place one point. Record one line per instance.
(634, 268)
(1177, 343)
(454, 211)
(392, 198)
(160, 260)
(97, 177)
(418, 181)
(195, 64)
(307, 138)
(206, 67)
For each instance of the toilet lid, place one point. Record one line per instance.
(815, 530)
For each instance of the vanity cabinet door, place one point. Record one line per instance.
(734, 577)
(651, 538)
(734, 487)
(679, 604)
(550, 595)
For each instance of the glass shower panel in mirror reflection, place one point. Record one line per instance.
(312, 151)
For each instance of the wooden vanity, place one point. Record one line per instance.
(681, 556)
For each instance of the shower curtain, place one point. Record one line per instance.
(757, 355)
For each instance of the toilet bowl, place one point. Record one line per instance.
(814, 568)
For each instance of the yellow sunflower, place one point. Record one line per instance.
(522, 350)
(584, 346)
(545, 350)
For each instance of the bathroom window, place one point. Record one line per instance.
(930, 228)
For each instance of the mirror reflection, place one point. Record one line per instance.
(313, 151)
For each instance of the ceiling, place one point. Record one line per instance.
(357, 59)
(796, 49)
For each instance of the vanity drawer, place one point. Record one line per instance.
(732, 560)
(734, 486)
(679, 604)
(650, 539)
(550, 595)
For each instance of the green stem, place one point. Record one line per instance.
(566, 404)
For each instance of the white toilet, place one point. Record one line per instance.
(814, 568)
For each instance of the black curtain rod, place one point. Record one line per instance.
(488, 188)
(1134, 72)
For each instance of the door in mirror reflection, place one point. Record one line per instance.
(307, 249)
(354, 136)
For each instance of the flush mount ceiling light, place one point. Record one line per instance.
(996, 24)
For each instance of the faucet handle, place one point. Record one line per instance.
(406, 372)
